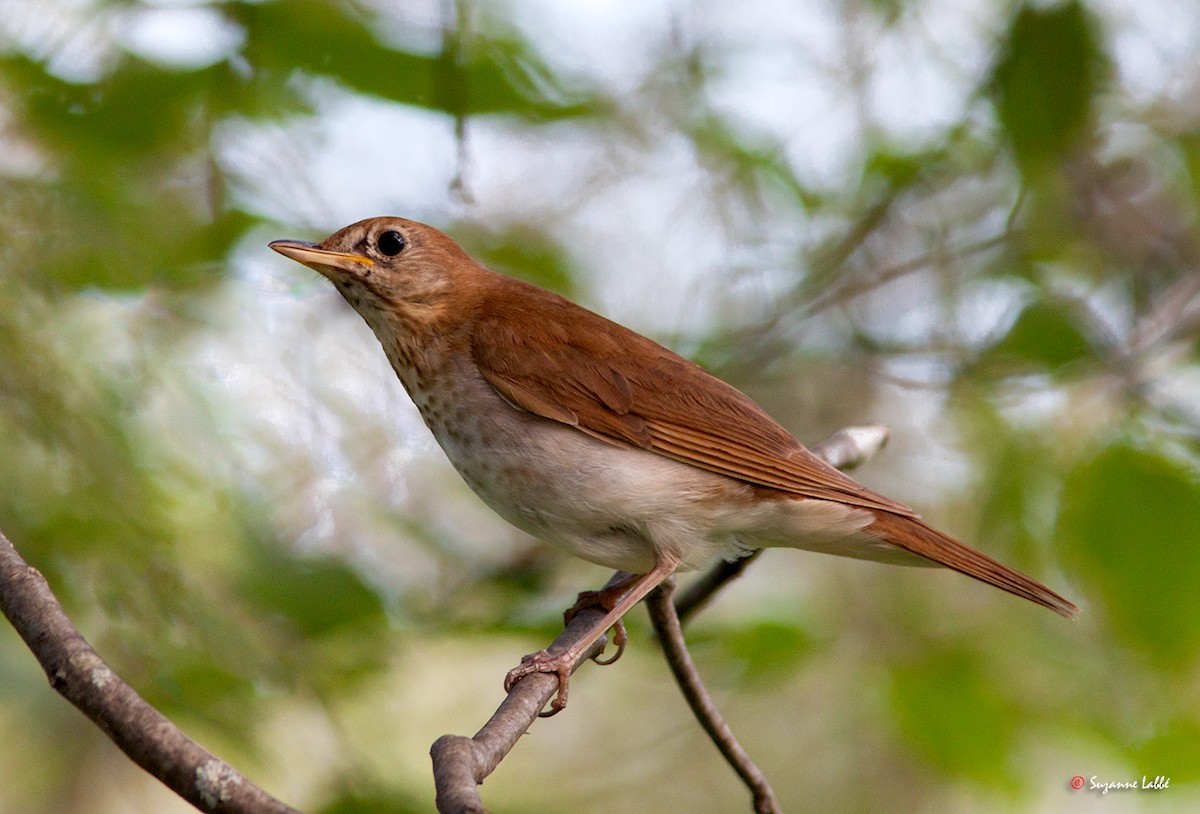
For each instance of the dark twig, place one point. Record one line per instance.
(78, 673)
(670, 636)
(845, 449)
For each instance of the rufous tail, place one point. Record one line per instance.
(916, 537)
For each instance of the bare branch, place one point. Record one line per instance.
(851, 447)
(78, 673)
(845, 449)
(460, 764)
(670, 635)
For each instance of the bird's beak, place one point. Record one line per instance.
(313, 256)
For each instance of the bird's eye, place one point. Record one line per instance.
(390, 243)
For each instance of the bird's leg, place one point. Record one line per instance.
(606, 598)
(561, 663)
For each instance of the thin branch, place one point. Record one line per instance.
(460, 764)
(78, 673)
(845, 449)
(670, 635)
(854, 288)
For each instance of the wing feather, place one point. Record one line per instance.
(614, 384)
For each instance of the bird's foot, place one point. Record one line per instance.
(616, 599)
(606, 599)
(561, 663)
(543, 662)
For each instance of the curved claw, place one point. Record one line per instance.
(620, 639)
(634, 588)
(558, 703)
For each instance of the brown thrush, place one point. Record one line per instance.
(601, 441)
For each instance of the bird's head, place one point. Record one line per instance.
(389, 268)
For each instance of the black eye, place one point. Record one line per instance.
(390, 243)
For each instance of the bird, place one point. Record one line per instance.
(602, 442)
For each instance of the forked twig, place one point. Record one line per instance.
(670, 635)
(78, 673)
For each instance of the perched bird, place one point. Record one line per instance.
(600, 441)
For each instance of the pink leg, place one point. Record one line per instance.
(561, 663)
(605, 598)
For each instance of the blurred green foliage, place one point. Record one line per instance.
(377, 803)
(1127, 520)
(255, 546)
(956, 715)
(1046, 83)
(1045, 338)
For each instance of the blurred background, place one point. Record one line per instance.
(972, 221)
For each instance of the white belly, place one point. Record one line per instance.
(620, 507)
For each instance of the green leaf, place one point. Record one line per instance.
(954, 715)
(1174, 752)
(1129, 528)
(767, 651)
(318, 595)
(1046, 334)
(1044, 82)
(137, 108)
(897, 168)
(329, 39)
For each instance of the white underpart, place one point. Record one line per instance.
(620, 507)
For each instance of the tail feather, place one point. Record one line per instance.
(915, 536)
